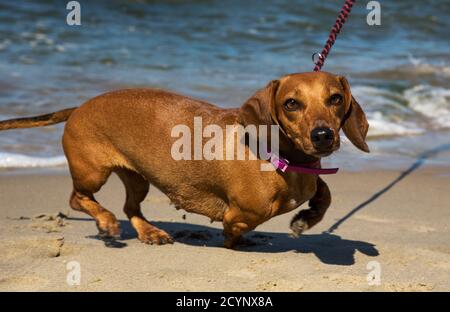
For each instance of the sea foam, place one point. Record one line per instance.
(11, 160)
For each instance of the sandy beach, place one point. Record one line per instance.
(399, 220)
(388, 228)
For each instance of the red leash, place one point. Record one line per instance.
(341, 19)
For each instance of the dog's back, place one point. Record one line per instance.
(132, 129)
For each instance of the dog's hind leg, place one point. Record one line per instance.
(87, 181)
(90, 166)
(318, 205)
(136, 190)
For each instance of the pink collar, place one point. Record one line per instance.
(309, 168)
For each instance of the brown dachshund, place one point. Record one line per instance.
(129, 132)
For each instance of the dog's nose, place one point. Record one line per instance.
(322, 137)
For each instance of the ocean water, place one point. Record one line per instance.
(222, 51)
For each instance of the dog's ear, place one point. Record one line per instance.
(355, 123)
(259, 109)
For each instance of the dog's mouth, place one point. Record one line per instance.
(309, 149)
(323, 153)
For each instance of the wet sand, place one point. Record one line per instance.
(399, 221)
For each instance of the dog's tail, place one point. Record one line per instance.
(37, 121)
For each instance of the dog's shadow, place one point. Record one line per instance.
(328, 248)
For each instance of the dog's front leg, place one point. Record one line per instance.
(235, 224)
(233, 233)
(318, 205)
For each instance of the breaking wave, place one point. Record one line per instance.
(11, 160)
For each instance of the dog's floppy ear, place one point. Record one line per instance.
(259, 109)
(355, 124)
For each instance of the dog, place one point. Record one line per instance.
(129, 132)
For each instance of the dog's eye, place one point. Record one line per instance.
(291, 105)
(336, 99)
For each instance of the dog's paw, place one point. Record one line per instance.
(155, 236)
(109, 234)
(298, 226)
(108, 226)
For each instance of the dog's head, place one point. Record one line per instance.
(310, 109)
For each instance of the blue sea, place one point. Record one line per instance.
(222, 52)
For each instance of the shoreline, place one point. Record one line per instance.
(396, 153)
(343, 162)
(398, 219)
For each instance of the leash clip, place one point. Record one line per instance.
(316, 57)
